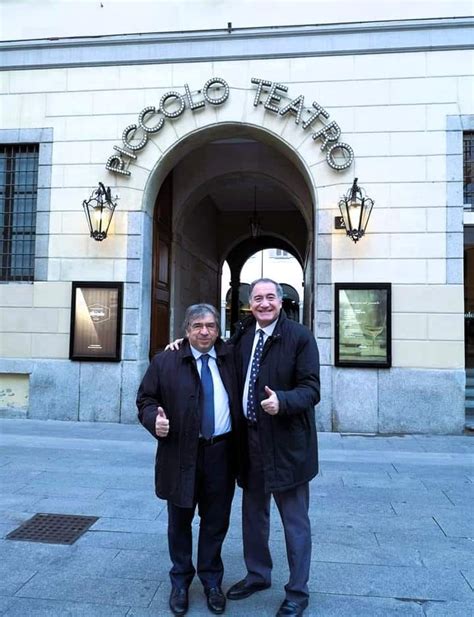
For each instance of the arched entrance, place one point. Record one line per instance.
(291, 301)
(277, 264)
(216, 183)
(241, 253)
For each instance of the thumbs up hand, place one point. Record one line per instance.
(162, 424)
(270, 405)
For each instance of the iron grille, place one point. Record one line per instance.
(18, 190)
(468, 169)
(52, 528)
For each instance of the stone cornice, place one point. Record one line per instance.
(240, 44)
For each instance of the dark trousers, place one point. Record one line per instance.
(293, 507)
(213, 495)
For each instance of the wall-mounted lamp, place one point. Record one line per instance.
(355, 209)
(99, 210)
(254, 222)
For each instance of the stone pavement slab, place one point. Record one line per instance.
(423, 525)
(449, 609)
(69, 586)
(26, 607)
(461, 496)
(391, 525)
(125, 541)
(459, 523)
(340, 552)
(356, 606)
(416, 583)
(468, 573)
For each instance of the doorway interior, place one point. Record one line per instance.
(276, 264)
(235, 192)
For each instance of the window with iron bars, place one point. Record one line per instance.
(18, 191)
(468, 169)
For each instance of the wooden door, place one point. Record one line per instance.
(160, 304)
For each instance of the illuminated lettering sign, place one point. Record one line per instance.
(215, 91)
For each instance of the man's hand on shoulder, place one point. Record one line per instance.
(174, 345)
(270, 405)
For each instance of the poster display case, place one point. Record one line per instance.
(96, 321)
(363, 325)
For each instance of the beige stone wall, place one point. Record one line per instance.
(35, 320)
(391, 108)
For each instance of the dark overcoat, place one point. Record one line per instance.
(172, 382)
(289, 366)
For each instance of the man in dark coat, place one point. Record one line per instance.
(188, 402)
(278, 371)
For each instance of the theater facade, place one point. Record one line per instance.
(216, 144)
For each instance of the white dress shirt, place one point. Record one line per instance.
(222, 423)
(267, 331)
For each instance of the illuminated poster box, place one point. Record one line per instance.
(363, 332)
(96, 321)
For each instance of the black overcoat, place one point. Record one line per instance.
(289, 366)
(172, 382)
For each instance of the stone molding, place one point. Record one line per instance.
(241, 44)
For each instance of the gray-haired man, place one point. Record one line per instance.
(188, 402)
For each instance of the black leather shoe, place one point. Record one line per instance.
(290, 609)
(242, 589)
(179, 601)
(215, 600)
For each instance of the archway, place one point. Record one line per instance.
(275, 263)
(239, 255)
(208, 198)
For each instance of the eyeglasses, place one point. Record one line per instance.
(195, 327)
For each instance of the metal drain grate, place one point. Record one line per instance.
(52, 528)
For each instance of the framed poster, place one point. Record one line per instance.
(96, 321)
(363, 318)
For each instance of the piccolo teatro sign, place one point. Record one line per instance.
(215, 92)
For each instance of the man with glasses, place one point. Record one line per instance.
(187, 400)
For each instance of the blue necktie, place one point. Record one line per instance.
(207, 399)
(251, 399)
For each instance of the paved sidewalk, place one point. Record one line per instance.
(393, 527)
